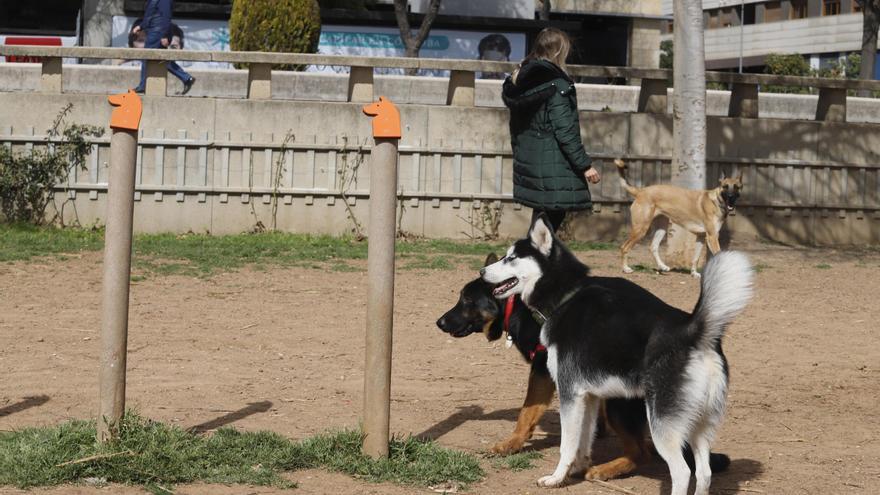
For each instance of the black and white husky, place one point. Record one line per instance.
(608, 337)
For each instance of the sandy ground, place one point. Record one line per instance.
(282, 349)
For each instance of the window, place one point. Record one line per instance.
(830, 7)
(726, 17)
(714, 16)
(748, 16)
(772, 11)
(36, 17)
(798, 9)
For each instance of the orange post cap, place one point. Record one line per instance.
(127, 115)
(386, 123)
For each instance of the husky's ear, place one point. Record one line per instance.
(721, 179)
(739, 178)
(492, 258)
(541, 235)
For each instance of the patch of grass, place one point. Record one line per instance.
(342, 266)
(23, 242)
(410, 461)
(640, 268)
(158, 456)
(760, 267)
(591, 246)
(203, 255)
(423, 262)
(517, 462)
(446, 246)
(823, 266)
(147, 453)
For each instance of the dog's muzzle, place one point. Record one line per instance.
(729, 200)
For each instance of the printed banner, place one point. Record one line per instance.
(205, 35)
(440, 43)
(15, 39)
(213, 35)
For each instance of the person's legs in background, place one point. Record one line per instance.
(181, 74)
(154, 40)
(556, 217)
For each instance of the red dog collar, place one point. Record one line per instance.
(508, 310)
(538, 348)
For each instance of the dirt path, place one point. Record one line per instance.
(282, 349)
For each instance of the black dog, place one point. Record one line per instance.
(477, 311)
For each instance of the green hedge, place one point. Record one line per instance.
(289, 26)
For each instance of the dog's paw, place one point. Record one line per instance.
(627, 269)
(597, 473)
(696, 275)
(551, 481)
(664, 268)
(509, 446)
(611, 470)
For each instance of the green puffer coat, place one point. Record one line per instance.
(549, 160)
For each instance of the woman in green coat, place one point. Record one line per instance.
(550, 166)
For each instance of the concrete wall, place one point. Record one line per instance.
(16, 78)
(644, 43)
(208, 164)
(838, 33)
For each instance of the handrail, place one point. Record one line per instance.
(414, 63)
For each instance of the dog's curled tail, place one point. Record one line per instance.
(725, 290)
(621, 169)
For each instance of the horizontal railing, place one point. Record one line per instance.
(652, 98)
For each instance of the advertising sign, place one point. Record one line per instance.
(213, 35)
(36, 41)
(440, 43)
(205, 35)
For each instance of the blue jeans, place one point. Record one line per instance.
(154, 40)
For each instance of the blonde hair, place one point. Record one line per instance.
(552, 45)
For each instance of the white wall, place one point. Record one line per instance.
(839, 33)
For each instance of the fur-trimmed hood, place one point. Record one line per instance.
(533, 84)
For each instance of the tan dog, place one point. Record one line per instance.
(701, 212)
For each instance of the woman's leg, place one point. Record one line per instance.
(556, 217)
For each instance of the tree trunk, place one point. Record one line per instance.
(870, 25)
(413, 44)
(688, 114)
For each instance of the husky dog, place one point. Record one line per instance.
(609, 338)
(477, 311)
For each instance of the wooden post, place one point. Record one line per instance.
(117, 263)
(380, 274)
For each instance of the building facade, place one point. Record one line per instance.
(823, 31)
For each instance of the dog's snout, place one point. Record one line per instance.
(482, 272)
(441, 323)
